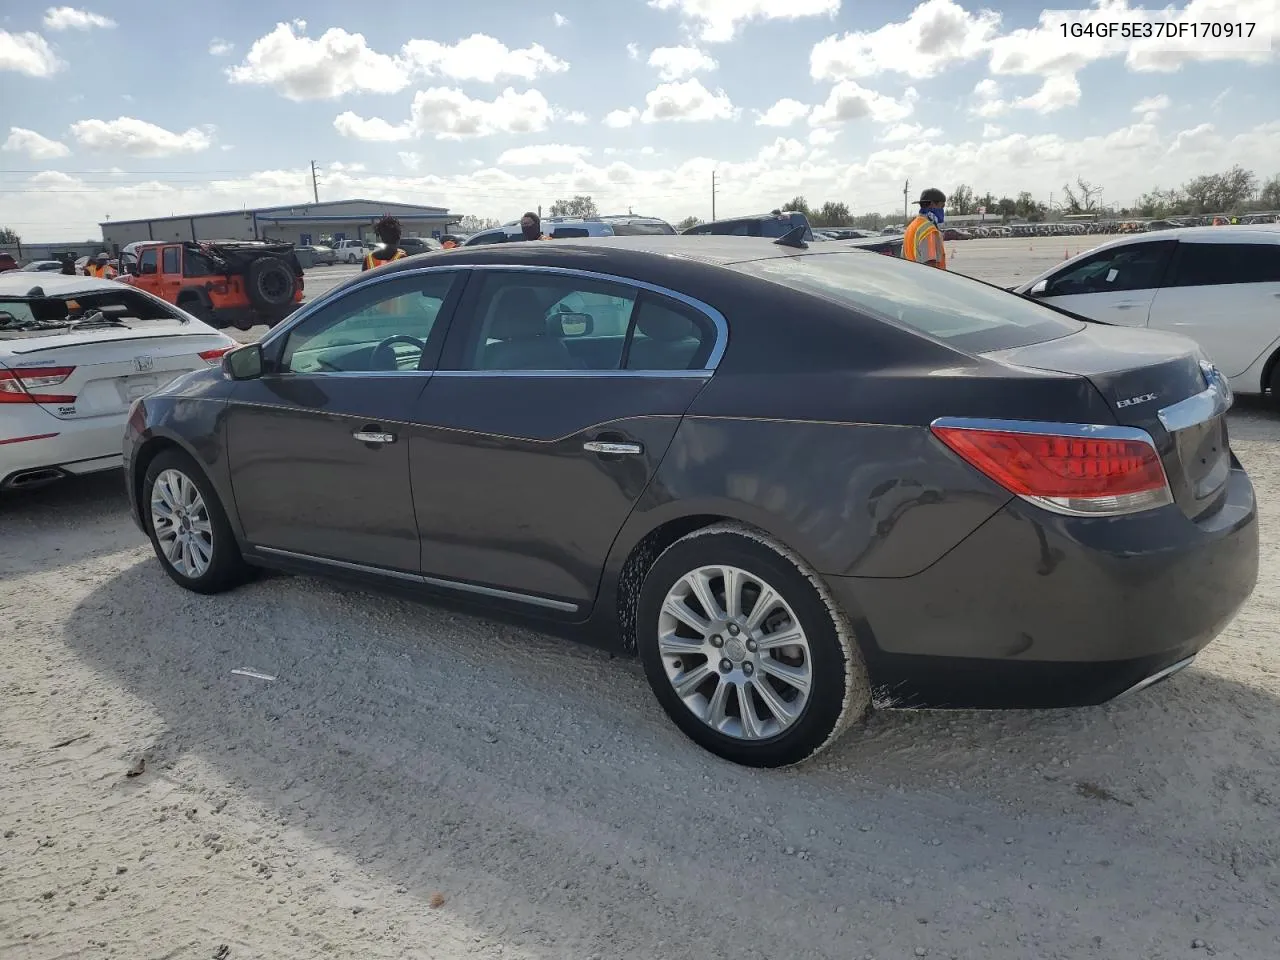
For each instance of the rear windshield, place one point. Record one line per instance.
(642, 229)
(26, 317)
(965, 313)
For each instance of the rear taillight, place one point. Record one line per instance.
(32, 385)
(212, 357)
(1068, 468)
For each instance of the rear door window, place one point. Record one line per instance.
(1219, 264)
(965, 313)
(172, 260)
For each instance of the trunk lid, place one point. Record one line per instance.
(1160, 383)
(108, 368)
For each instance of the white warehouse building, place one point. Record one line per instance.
(299, 223)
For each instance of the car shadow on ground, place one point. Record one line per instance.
(443, 751)
(64, 523)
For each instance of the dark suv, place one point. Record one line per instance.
(776, 224)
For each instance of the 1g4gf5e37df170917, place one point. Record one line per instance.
(1161, 30)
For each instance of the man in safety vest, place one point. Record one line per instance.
(531, 227)
(100, 267)
(388, 231)
(923, 240)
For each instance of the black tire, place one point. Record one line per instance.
(1273, 383)
(271, 284)
(840, 693)
(227, 568)
(197, 308)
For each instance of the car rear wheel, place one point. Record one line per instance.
(746, 650)
(188, 527)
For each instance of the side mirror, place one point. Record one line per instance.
(576, 324)
(243, 363)
(1039, 289)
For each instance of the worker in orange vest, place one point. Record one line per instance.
(388, 231)
(100, 267)
(923, 240)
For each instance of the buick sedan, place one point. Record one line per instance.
(794, 480)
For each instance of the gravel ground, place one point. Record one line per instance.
(419, 783)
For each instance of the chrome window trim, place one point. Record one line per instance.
(717, 318)
(1211, 402)
(473, 588)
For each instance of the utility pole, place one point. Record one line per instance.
(713, 195)
(315, 184)
(906, 206)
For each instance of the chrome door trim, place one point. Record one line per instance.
(613, 448)
(456, 585)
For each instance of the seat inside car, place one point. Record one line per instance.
(518, 322)
(670, 339)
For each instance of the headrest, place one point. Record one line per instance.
(658, 323)
(518, 314)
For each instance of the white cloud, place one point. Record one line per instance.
(783, 113)
(1129, 161)
(822, 136)
(446, 113)
(1152, 104)
(34, 145)
(220, 48)
(621, 118)
(902, 132)
(28, 53)
(850, 101)
(560, 19)
(633, 51)
(543, 154)
(1220, 99)
(338, 63)
(935, 35)
(139, 138)
(686, 101)
(576, 117)
(1056, 92)
(335, 64)
(69, 18)
(988, 99)
(676, 63)
(990, 130)
(718, 20)
(481, 58)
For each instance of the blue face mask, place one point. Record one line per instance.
(935, 214)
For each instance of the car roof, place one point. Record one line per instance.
(16, 283)
(1233, 233)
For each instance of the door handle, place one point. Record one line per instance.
(1129, 306)
(613, 448)
(373, 436)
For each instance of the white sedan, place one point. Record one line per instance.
(75, 352)
(1218, 285)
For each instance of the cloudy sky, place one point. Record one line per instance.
(495, 106)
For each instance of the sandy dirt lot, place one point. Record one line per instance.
(425, 784)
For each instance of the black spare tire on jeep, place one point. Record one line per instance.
(271, 284)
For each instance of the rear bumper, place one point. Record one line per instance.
(75, 447)
(1039, 610)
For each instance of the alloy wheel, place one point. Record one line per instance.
(735, 652)
(181, 523)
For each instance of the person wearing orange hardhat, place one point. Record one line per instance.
(922, 242)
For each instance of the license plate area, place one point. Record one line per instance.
(131, 388)
(1204, 454)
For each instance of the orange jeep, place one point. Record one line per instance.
(240, 283)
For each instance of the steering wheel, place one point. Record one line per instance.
(384, 358)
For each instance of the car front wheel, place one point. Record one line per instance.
(746, 650)
(189, 529)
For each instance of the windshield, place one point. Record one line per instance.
(966, 313)
(651, 229)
